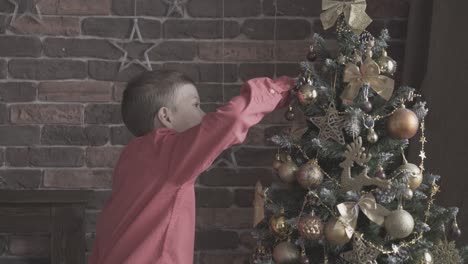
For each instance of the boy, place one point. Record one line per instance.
(150, 216)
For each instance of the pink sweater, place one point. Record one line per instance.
(150, 216)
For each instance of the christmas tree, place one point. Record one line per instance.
(346, 192)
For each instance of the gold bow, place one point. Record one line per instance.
(349, 212)
(368, 74)
(354, 12)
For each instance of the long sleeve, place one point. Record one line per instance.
(194, 150)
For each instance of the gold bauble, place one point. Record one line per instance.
(286, 252)
(399, 224)
(277, 162)
(307, 94)
(403, 124)
(372, 136)
(309, 175)
(335, 232)
(386, 64)
(289, 115)
(310, 227)
(414, 173)
(287, 170)
(278, 225)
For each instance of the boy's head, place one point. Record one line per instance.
(162, 98)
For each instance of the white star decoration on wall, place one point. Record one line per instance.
(176, 7)
(128, 59)
(227, 158)
(29, 8)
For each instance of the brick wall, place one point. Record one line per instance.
(60, 87)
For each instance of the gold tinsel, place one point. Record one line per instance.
(446, 252)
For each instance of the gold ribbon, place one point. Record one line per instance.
(349, 212)
(368, 74)
(354, 12)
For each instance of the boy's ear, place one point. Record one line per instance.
(164, 117)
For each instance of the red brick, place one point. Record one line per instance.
(109, 71)
(213, 8)
(29, 245)
(224, 257)
(3, 69)
(247, 240)
(75, 7)
(210, 197)
(119, 88)
(56, 26)
(276, 117)
(46, 114)
(263, 29)
(45, 157)
(255, 157)
(96, 48)
(230, 218)
(244, 197)
(19, 135)
(17, 46)
(102, 156)
(3, 114)
(144, 7)
(291, 50)
(20, 178)
(388, 8)
(119, 27)
(47, 69)
(235, 51)
(252, 70)
(289, 69)
(397, 29)
(78, 178)
(216, 239)
(210, 93)
(120, 135)
(103, 114)
(209, 72)
(18, 92)
(174, 51)
(230, 177)
(308, 8)
(200, 29)
(75, 91)
(2, 159)
(98, 199)
(74, 135)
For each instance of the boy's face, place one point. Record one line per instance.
(187, 112)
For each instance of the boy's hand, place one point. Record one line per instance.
(285, 85)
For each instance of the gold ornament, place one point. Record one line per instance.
(408, 193)
(330, 125)
(307, 94)
(277, 162)
(399, 223)
(367, 74)
(337, 233)
(286, 252)
(310, 227)
(415, 176)
(387, 64)
(258, 204)
(403, 124)
(349, 211)
(287, 170)
(341, 59)
(354, 14)
(372, 136)
(355, 153)
(279, 226)
(446, 252)
(427, 258)
(309, 175)
(289, 115)
(361, 254)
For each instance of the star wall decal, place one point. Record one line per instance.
(227, 158)
(176, 7)
(25, 8)
(127, 47)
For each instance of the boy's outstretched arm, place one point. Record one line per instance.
(194, 150)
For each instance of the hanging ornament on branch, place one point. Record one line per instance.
(387, 64)
(412, 172)
(330, 125)
(372, 136)
(368, 74)
(279, 226)
(399, 223)
(309, 175)
(287, 170)
(354, 14)
(307, 93)
(286, 252)
(403, 123)
(337, 233)
(310, 227)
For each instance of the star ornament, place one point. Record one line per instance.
(176, 7)
(330, 125)
(361, 254)
(128, 47)
(25, 8)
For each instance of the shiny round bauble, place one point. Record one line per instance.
(414, 173)
(427, 258)
(403, 124)
(310, 227)
(366, 106)
(277, 162)
(307, 94)
(380, 173)
(399, 224)
(289, 115)
(456, 232)
(279, 226)
(335, 232)
(312, 54)
(309, 175)
(408, 193)
(287, 171)
(372, 136)
(286, 252)
(386, 64)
